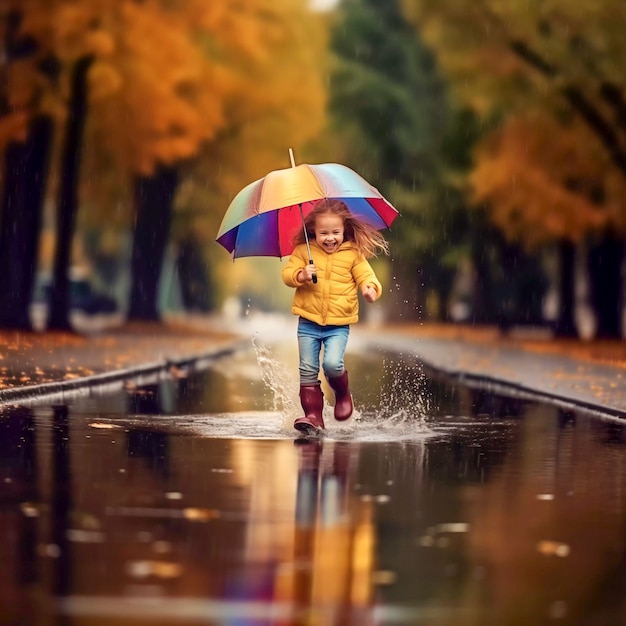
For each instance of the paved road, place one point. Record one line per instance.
(39, 364)
(552, 375)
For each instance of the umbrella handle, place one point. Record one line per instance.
(306, 239)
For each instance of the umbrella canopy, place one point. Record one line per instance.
(264, 216)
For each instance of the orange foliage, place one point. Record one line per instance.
(279, 102)
(167, 76)
(542, 181)
(157, 97)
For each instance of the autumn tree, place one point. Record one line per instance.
(154, 82)
(564, 60)
(63, 40)
(155, 99)
(221, 68)
(543, 183)
(279, 103)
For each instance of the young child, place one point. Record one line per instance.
(326, 305)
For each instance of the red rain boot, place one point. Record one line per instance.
(312, 400)
(343, 397)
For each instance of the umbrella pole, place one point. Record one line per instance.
(306, 235)
(306, 239)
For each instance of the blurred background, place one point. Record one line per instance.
(496, 127)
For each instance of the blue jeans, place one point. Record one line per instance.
(311, 338)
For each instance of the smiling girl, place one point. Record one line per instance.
(326, 301)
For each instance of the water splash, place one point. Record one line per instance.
(269, 425)
(404, 403)
(407, 393)
(400, 413)
(283, 385)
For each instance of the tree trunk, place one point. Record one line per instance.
(605, 275)
(483, 294)
(153, 198)
(565, 325)
(25, 175)
(406, 294)
(444, 292)
(68, 197)
(195, 281)
(523, 286)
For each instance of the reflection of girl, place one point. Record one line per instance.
(326, 301)
(333, 547)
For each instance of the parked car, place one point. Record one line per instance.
(83, 297)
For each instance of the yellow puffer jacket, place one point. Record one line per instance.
(333, 300)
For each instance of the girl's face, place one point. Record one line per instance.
(329, 231)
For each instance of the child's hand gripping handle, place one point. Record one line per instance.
(314, 277)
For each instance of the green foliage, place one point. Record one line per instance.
(386, 83)
(406, 134)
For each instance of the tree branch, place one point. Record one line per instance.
(613, 96)
(606, 132)
(533, 59)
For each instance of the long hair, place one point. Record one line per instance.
(368, 241)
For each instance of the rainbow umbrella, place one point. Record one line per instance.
(264, 216)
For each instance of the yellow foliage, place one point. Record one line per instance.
(243, 28)
(23, 80)
(63, 30)
(13, 127)
(154, 91)
(472, 48)
(104, 80)
(542, 181)
(168, 76)
(69, 29)
(162, 97)
(282, 102)
(279, 102)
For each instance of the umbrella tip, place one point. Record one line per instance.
(293, 162)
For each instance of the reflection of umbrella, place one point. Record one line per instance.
(265, 215)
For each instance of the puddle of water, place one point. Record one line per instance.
(272, 425)
(391, 403)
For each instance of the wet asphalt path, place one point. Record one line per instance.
(186, 499)
(565, 380)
